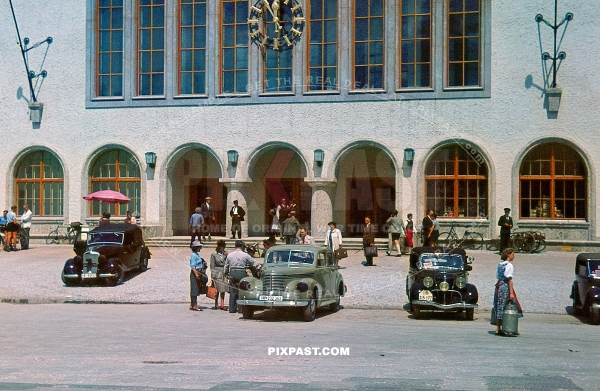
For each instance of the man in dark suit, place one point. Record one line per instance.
(209, 217)
(237, 214)
(368, 240)
(427, 229)
(506, 223)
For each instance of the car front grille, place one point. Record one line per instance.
(273, 283)
(90, 262)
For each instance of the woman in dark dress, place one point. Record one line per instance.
(217, 261)
(504, 288)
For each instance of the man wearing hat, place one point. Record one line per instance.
(196, 225)
(208, 215)
(198, 277)
(234, 269)
(506, 223)
(237, 214)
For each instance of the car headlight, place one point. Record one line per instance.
(428, 282)
(302, 286)
(444, 286)
(461, 282)
(245, 285)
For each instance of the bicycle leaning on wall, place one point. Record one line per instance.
(60, 236)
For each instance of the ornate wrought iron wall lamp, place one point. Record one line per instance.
(553, 93)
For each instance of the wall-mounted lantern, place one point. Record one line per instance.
(319, 157)
(232, 157)
(151, 159)
(409, 156)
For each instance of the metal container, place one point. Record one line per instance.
(510, 318)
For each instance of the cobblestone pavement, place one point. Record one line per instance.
(542, 281)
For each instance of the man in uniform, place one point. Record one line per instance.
(427, 228)
(209, 217)
(506, 223)
(235, 269)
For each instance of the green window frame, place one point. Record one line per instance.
(192, 47)
(234, 47)
(368, 44)
(323, 45)
(151, 47)
(109, 48)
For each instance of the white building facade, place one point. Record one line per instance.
(332, 121)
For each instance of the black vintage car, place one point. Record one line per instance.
(438, 281)
(586, 287)
(109, 252)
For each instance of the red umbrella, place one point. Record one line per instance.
(108, 196)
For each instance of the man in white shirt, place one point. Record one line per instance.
(305, 238)
(26, 225)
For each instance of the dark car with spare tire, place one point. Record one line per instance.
(109, 252)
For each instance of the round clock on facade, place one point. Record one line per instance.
(276, 24)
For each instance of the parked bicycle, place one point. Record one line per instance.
(470, 239)
(59, 236)
(522, 241)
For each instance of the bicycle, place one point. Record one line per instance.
(526, 241)
(56, 236)
(470, 239)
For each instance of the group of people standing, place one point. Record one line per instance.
(226, 271)
(12, 226)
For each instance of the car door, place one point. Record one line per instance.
(582, 281)
(332, 276)
(321, 274)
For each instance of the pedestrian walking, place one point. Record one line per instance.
(195, 227)
(368, 241)
(410, 228)
(275, 228)
(506, 223)
(237, 214)
(395, 230)
(234, 270)
(26, 225)
(427, 228)
(12, 229)
(198, 276)
(217, 265)
(208, 214)
(290, 227)
(504, 289)
(333, 238)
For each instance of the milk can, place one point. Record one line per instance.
(510, 318)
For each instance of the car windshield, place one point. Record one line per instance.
(289, 257)
(594, 268)
(440, 261)
(105, 238)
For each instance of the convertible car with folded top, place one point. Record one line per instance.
(294, 276)
(438, 280)
(108, 253)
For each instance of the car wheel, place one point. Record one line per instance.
(144, 263)
(69, 281)
(247, 312)
(469, 313)
(114, 281)
(594, 314)
(416, 311)
(576, 304)
(335, 307)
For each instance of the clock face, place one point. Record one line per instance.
(276, 24)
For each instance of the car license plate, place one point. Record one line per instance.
(271, 298)
(426, 295)
(87, 275)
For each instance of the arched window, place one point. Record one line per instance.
(553, 183)
(39, 183)
(456, 182)
(116, 169)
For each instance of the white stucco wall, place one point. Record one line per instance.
(503, 127)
